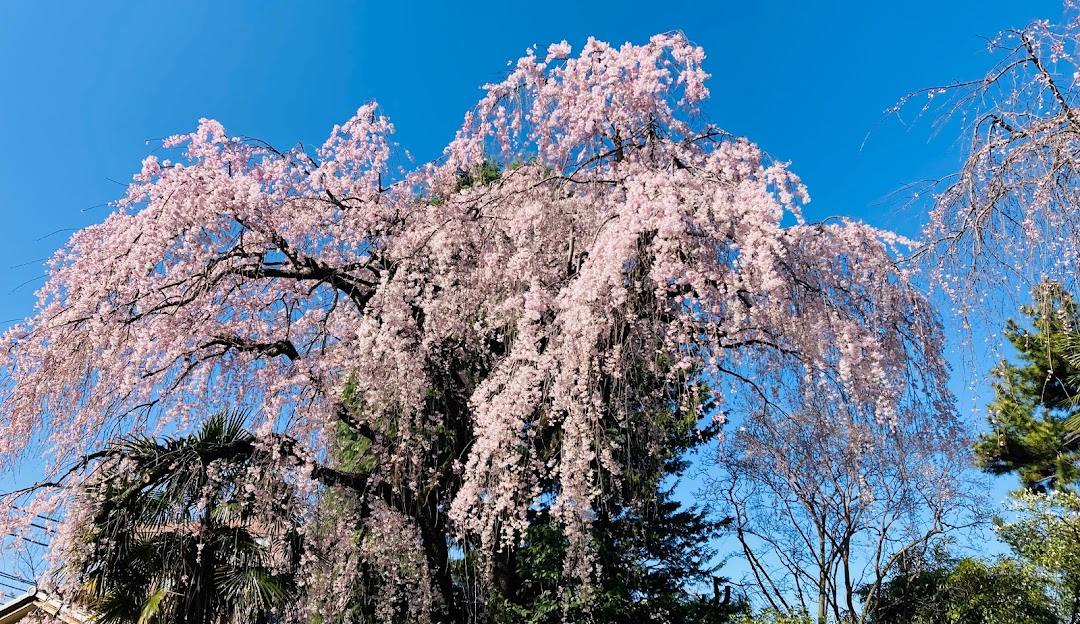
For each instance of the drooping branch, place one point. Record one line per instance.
(269, 349)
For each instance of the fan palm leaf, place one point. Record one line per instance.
(175, 538)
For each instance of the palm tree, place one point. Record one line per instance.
(194, 529)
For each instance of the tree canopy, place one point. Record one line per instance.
(501, 341)
(967, 591)
(175, 531)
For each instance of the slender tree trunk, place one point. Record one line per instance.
(433, 532)
(849, 590)
(505, 579)
(1075, 602)
(823, 579)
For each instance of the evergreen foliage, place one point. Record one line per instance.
(1033, 430)
(656, 556)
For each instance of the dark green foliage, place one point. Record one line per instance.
(655, 554)
(650, 563)
(483, 175)
(1045, 535)
(1033, 433)
(174, 536)
(968, 591)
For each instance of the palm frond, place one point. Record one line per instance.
(152, 606)
(174, 534)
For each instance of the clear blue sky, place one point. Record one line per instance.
(83, 85)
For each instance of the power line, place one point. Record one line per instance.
(16, 578)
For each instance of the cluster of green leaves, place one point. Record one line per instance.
(1046, 535)
(483, 175)
(772, 616)
(486, 173)
(968, 591)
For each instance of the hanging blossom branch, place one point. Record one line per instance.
(1007, 219)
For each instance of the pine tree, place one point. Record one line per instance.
(1033, 417)
(655, 553)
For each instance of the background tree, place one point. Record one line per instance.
(493, 334)
(772, 616)
(657, 557)
(1033, 428)
(828, 502)
(1046, 534)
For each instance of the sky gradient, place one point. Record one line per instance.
(84, 86)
